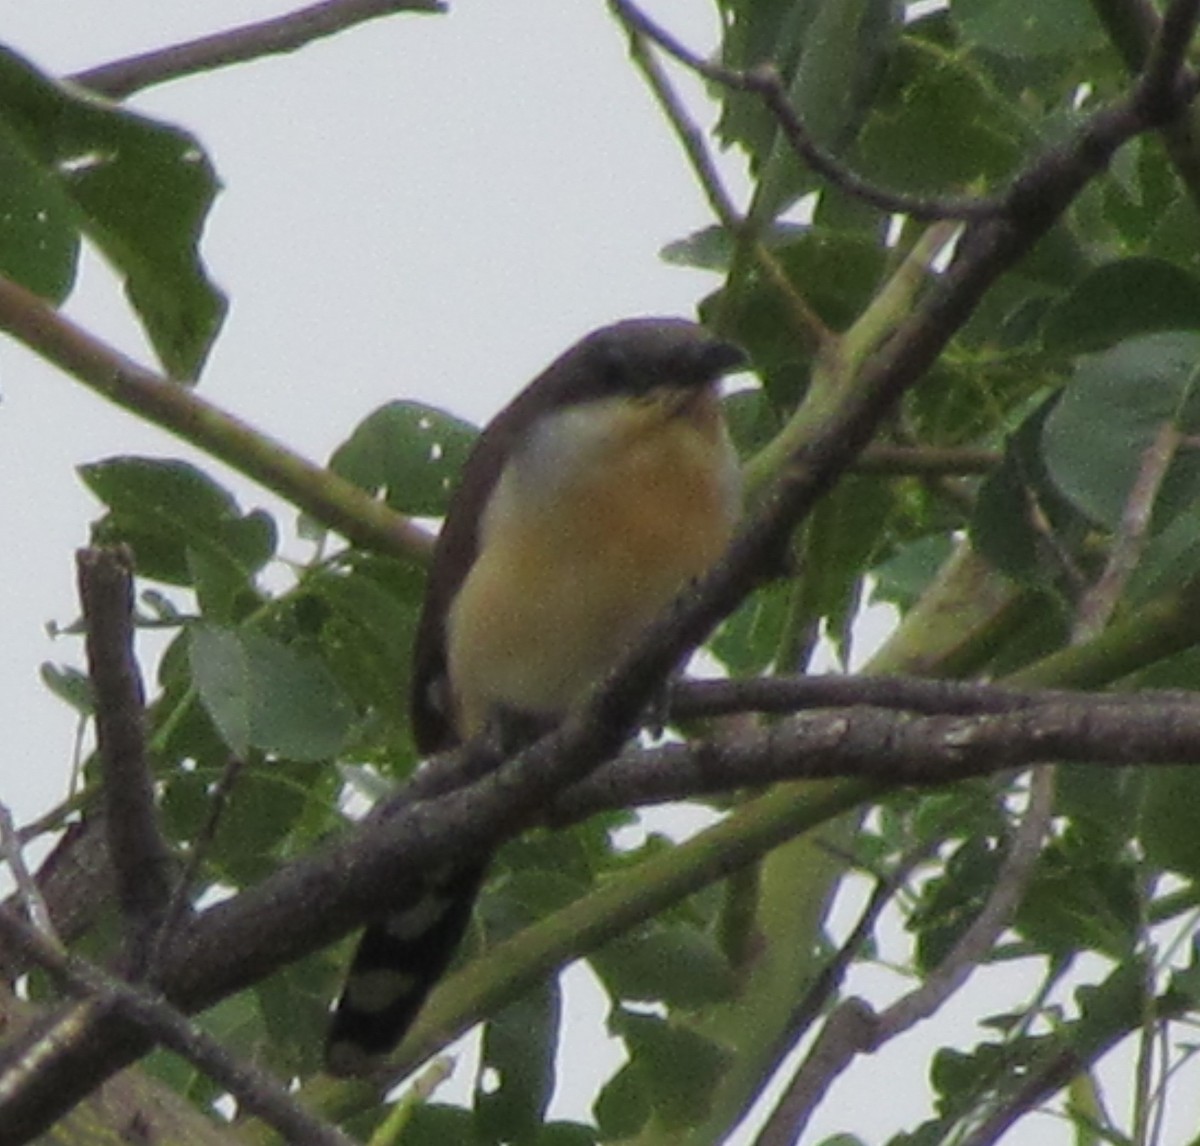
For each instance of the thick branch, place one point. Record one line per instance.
(237, 45)
(315, 900)
(137, 848)
(325, 496)
(869, 743)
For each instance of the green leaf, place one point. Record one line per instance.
(364, 615)
(265, 695)
(519, 1045)
(675, 964)
(1168, 820)
(748, 641)
(623, 1105)
(409, 452)
(184, 528)
(678, 1069)
(950, 902)
(905, 576)
(140, 190)
(1079, 899)
(1029, 27)
(1120, 300)
(845, 530)
(71, 685)
(836, 271)
(39, 243)
(940, 127)
(1171, 558)
(1094, 439)
(1017, 503)
(830, 54)
(263, 813)
(436, 1124)
(1117, 1004)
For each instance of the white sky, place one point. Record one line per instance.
(427, 207)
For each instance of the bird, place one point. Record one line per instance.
(584, 508)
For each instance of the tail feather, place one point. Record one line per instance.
(399, 960)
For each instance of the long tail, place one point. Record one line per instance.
(399, 960)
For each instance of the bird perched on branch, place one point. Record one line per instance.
(586, 506)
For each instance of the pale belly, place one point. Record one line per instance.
(555, 598)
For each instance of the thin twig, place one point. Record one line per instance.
(805, 319)
(179, 906)
(764, 81)
(286, 33)
(978, 939)
(1133, 531)
(323, 495)
(254, 1090)
(139, 852)
(782, 1126)
(927, 461)
(28, 892)
(784, 695)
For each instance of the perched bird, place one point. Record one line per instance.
(586, 506)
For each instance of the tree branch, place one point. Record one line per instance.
(926, 461)
(791, 1113)
(286, 33)
(867, 743)
(28, 894)
(138, 851)
(323, 495)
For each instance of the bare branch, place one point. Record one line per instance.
(783, 695)
(75, 882)
(28, 892)
(254, 1090)
(139, 852)
(1058, 1071)
(807, 322)
(874, 744)
(980, 937)
(286, 33)
(179, 907)
(926, 461)
(323, 495)
(791, 1113)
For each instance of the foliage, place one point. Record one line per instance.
(1072, 371)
